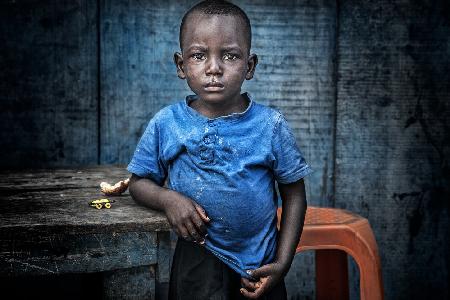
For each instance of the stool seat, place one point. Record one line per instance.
(334, 233)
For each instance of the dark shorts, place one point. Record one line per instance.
(197, 274)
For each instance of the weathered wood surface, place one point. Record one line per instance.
(393, 138)
(56, 201)
(38, 254)
(29, 180)
(48, 228)
(48, 83)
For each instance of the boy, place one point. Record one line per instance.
(222, 153)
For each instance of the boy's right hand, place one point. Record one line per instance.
(186, 217)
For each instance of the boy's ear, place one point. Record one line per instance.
(178, 60)
(251, 66)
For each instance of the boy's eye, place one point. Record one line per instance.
(198, 56)
(230, 56)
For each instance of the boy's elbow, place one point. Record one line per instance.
(132, 185)
(133, 179)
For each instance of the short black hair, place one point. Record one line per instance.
(218, 7)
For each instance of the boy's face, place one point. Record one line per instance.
(215, 57)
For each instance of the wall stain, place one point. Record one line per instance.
(414, 216)
(430, 201)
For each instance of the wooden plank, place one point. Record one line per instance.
(54, 231)
(76, 253)
(164, 245)
(48, 83)
(64, 208)
(61, 178)
(392, 138)
(164, 264)
(69, 211)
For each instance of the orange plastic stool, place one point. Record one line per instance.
(330, 232)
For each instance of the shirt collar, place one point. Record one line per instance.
(230, 117)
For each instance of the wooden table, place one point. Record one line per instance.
(47, 227)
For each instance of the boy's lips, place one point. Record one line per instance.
(214, 86)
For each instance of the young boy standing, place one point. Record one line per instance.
(222, 153)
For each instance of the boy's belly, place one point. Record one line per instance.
(242, 209)
(239, 210)
(237, 215)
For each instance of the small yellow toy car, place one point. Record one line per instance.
(100, 203)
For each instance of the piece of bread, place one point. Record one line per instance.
(116, 189)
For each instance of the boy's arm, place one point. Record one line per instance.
(185, 216)
(292, 219)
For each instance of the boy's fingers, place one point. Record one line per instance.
(184, 233)
(260, 272)
(199, 224)
(193, 232)
(201, 212)
(250, 294)
(249, 285)
(261, 287)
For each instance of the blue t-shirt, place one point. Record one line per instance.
(228, 165)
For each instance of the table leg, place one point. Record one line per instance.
(132, 283)
(163, 266)
(331, 274)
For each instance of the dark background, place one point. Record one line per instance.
(365, 85)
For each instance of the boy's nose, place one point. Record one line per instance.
(213, 66)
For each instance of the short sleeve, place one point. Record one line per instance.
(289, 164)
(147, 161)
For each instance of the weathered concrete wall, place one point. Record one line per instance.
(295, 41)
(364, 85)
(392, 143)
(138, 76)
(48, 83)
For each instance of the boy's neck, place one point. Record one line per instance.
(215, 110)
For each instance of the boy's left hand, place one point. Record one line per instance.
(268, 276)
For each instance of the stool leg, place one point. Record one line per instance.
(368, 260)
(331, 275)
